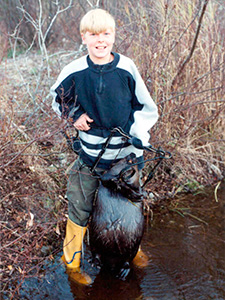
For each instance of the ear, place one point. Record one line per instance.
(83, 38)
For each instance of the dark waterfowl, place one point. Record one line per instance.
(117, 223)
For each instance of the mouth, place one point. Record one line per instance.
(100, 47)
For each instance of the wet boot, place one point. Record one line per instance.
(141, 259)
(72, 248)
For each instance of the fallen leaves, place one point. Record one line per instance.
(30, 222)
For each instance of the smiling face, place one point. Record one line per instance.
(99, 45)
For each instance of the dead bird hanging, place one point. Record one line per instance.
(117, 222)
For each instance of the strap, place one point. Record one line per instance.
(159, 153)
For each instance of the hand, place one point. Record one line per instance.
(82, 123)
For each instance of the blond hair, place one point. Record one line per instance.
(96, 21)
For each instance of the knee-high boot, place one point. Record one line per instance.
(72, 249)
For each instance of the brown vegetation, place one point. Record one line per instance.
(179, 49)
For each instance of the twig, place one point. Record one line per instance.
(182, 34)
(174, 81)
(175, 43)
(28, 145)
(196, 218)
(59, 11)
(215, 192)
(14, 241)
(92, 5)
(18, 286)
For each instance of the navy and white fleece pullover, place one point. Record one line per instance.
(113, 95)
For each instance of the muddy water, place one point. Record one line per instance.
(186, 249)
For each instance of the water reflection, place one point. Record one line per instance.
(186, 249)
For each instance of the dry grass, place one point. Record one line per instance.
(186, 80)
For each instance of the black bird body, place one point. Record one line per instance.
(117, 222)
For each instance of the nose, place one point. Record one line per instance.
(100, 37)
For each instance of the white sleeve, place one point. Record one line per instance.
(145, 118)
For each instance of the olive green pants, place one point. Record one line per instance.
(81, 190)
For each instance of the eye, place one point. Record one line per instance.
(126, 175)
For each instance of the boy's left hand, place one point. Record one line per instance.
(82, 123)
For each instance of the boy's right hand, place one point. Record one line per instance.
(82, 123)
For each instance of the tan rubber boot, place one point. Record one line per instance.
(141, 259)
(72, 248)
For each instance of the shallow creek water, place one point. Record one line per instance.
(186, 249)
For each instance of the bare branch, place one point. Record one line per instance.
(93, 5)
(193, 45)
(59, 11)
(90, 3)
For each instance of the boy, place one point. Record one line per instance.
(98, 92)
